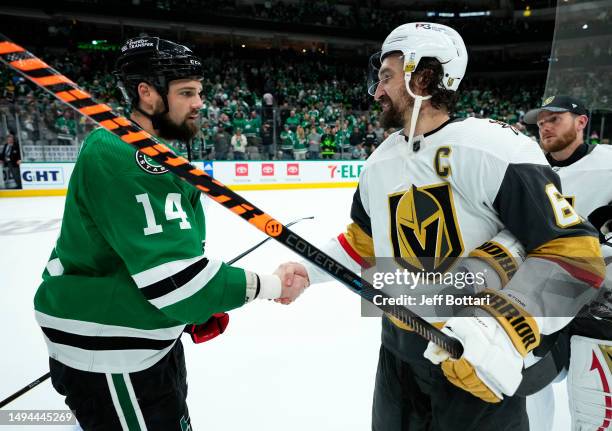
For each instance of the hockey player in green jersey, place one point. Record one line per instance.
(129, 269)
(430, 194)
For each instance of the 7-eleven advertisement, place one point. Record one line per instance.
(288, 172)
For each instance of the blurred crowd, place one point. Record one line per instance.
(290, 106)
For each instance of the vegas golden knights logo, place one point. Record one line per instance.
(424, 229)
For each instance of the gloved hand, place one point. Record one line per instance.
(494, 347)
(208, 330)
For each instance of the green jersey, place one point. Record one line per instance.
(128, 270)
(288, 139)
(293, 121)
(252, 127)
(299, 145)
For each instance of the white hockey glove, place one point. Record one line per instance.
(494, 347)
(491, 365)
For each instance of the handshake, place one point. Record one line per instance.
(294, 279)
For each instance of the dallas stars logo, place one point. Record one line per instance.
(149, 165)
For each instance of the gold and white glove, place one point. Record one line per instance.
(495, 338)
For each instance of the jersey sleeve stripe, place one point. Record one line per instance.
(357, 244)
(351, 251)
(190, 287)
(577, 272)
(163, 271)
(167, 285)
(580, 256)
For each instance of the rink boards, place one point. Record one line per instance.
(52, 178)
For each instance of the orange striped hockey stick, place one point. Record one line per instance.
(52, 81)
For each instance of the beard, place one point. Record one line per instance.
(396, 114)
(169, 130)
(561, 142)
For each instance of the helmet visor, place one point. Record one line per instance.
(373, 69)
(374, 75)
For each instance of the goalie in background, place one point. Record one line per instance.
(586, 176)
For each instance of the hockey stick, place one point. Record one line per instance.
(23, 390)
(49, 79)
(44, 377)
(244, 253)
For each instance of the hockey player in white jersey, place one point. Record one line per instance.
(430, 194)
(586, 176)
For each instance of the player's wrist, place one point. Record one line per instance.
(267, 286)
(503, 254)
(522, 328)
(270, 286)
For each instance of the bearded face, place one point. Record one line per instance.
(557, 130)
(184, 104)
(170, 130)
(391, 93)
(395, 110)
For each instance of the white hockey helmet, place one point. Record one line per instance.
(416, 40)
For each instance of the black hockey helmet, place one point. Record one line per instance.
(154, 61)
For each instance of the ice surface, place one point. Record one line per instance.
(307, 366)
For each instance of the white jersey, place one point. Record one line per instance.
(586, 177)
(457, 174)
(458, 187)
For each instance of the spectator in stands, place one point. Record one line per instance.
(293, 120)
(342, 138)
(287, 138)
(370, 140)
(222, 143)
(10, 157)
(314, 144)
(239, 143)
(267, 141)
(252, 129)
(65, 126)
(321, 127)
(328, 144)
(379, 131)
(299, 145)
(359, 152)
(356, 137)
(212, 111)
(239, 122)
(203, 143)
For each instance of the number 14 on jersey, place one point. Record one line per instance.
(173, 210)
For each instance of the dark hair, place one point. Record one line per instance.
(431, 69)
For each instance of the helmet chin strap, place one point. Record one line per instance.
(415, 108)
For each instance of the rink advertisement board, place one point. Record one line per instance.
(42, 176)
(292, 172)
(240, 174)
